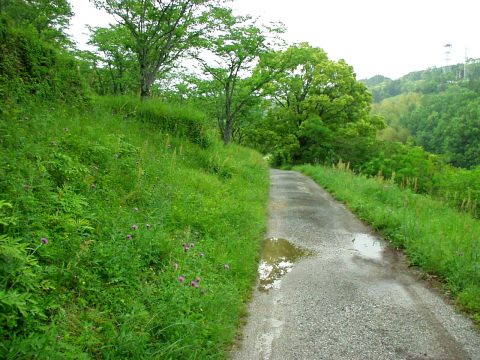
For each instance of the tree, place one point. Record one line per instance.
(162, 31)
(316, 100)
(233, 49)
(115, 46)
(49, 18)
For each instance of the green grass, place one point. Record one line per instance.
(435, 237)
(84, 180)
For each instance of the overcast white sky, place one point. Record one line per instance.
(388, 37)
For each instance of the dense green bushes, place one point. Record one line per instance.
(33, 70)
(180, 120)
(435, 237)
(103, 214)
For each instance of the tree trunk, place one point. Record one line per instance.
(227, 132)
(144, 88)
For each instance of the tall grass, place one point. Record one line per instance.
(435, 237)
(107, 218)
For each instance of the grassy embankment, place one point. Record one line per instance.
(437, 238)
(107, 215)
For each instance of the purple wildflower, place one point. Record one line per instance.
(186, 248)
(129, 237)
(181, 279)
(134, 227)
(44, 241)
(194, 284)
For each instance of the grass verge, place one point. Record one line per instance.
(435, 237)
(123, 236)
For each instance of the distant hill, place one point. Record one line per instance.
(375, 80)
(429, 81)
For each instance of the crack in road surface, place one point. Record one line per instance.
(353, 297)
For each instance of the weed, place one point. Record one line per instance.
(439, 239)
(98, 209)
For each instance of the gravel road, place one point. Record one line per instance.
(347, 295)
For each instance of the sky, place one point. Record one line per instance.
(386, 37)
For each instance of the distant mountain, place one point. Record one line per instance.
(429, 81)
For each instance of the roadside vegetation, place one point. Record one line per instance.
(127, 228)
(131, 212)
(435, 237)
(123, 240)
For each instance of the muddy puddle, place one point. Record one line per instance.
(278, 258)
(368, 246)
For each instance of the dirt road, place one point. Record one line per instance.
(329, 289)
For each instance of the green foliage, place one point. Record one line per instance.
(393, 110)
(117, 190)
(315, 100)
(448, 123)
(435, 237)
(114, 61)
(48, 19)
(160, 32)
(34, 70)
(233, 47)
(178, 120)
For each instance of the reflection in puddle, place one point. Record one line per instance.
(278, 256)
(368, 246)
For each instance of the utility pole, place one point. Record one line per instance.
(448, 50)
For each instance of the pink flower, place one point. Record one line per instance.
(181, 279)
(186, 248)
(134, 227)
(194, 284)
(44, 241)
(129, 237)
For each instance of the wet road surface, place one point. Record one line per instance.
(329, 289)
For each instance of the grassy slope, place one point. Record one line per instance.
(85, 180)
(435, 237)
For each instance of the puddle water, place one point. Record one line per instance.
(368, 246)
(278, 257)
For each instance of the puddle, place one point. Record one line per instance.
(368, 246)
(278, 257)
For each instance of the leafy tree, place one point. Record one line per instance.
(392, 110)
(316, 100)
(231, 52)
(49, 18)
(448, 123)
(114, 46)
(162, 31)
